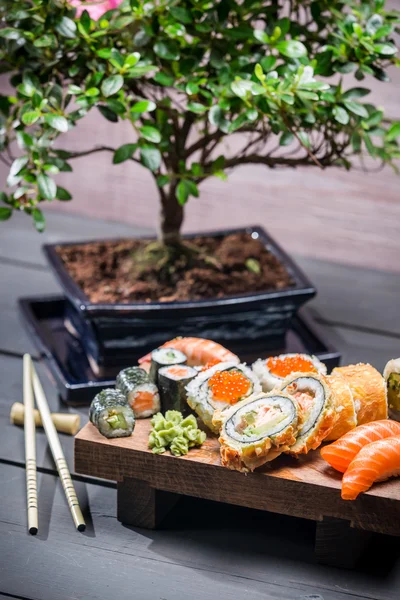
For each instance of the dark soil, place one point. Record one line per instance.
(108, 271)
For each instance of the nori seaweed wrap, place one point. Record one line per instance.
(163, 357)
(141, 394)
(171, 384)
(111, 414)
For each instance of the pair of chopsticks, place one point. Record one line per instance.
(33, 388)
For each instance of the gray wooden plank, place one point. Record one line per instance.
(20, 241)
(354, 296)
(204, 551)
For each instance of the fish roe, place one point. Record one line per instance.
(229, 386)
(211, 363)
(282, 367)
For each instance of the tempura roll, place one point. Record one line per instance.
(219, 387)
(258, 429)
(317, 411)
(141, 394)
(111, 414)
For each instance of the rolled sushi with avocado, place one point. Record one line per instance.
(317, 411)
(219, 387)
(163, 357)
(391, 375)
(111, 414)
(140, 393)
(272, 371)
(258, 429)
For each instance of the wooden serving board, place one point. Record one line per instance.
(149, 485)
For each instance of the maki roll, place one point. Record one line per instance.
(316, 408)
(110, 413)
(272, 371)
(172, 382)
(258, 429)
(139, 392)
(391, 374)
(218, 387)
(163, 357)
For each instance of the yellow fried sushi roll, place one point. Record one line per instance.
(272, 371)
(219, 387)
(316, 409)
(258, 429)
(369, 391)
(346, 416)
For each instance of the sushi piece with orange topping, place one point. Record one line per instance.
(219, 387)
(272, 371)
(140, 393)
(172, 382)
(256, 430)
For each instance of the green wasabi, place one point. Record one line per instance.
(175, 433)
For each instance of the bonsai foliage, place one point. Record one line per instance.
(185, 74)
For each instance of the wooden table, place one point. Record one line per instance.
(204, 550)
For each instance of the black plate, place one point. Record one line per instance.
(69, 366)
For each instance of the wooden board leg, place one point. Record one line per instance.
(338, 544)
(140, 505)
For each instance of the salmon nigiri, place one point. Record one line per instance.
(340, 454)
(375, 462)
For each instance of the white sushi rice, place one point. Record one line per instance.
(200, 397)
(270, 381)
(156, 405)
(305, 384)
(105, 428)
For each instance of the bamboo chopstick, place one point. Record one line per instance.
(30, 447)
(57, 452)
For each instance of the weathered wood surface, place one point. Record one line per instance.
(307, 488)
(204, 549)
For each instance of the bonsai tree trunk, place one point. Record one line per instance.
(171, 217)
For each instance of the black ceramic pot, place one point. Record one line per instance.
(116, 335)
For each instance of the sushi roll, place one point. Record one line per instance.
(346, 416)
(111, 414)
(316, 407)
(163, 357)
(140, 393)
(369, 391)
(172, 382)
(258, 429)
(272, 371)
(391, 374)
(218, 387)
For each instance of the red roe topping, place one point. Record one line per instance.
(282, 367)
(228, 386)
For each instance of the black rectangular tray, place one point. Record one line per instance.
(69, 367)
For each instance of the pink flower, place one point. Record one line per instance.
(95, 8)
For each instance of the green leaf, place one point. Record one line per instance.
(168, 50)
(181, 14)
(124, 153)
(341, 115)
(57, 122)
(292, 48)
(63, 194)
(132, 59)
(374, 118)
(104, 52)
(24, 140)
(162, 180)
(11, 34)
(268, 63)
(5, 213)
(261, 36)
(47, 187)
(186, 188)
(175, 30)
(38, 219)
(286, 138)
(116, 106)
(164, 79)
(385, 49)
(66, 27)
(116, 59)
(108, 114)
(30, 117)
(196, 107)
(305, 95)
(92, 92)
(369, 145)
(357, 92)
(150, 157)
(356, 108)
(393, 132)
(143, 106)
(241, 87)
(151, 134)
(253, 265)
(303, 137)
(112, 85)
(17, 166)
(74, 90)
(85, 21)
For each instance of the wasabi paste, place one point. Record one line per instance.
(175, 433)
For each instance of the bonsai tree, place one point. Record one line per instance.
(184, 75)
